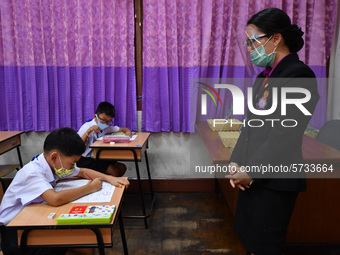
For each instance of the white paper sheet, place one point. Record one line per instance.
(133, 137)
(103, 195)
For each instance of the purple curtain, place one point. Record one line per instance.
(59, 59)
(190, 39)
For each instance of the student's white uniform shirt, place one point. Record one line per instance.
(93, 136)
(27, 186)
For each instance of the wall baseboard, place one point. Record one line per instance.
(174, 185)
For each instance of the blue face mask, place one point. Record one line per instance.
(260, 58)
(101, 125)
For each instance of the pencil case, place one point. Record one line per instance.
(84, 218)
(94, 214)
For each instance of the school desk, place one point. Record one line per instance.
(8, 141)
(131, 151)
(316, 217)
(35, 229)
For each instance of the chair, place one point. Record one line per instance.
(329, 134)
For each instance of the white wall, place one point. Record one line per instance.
(171, 155)
(31, 145)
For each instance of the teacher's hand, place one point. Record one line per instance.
(234, 168)
(239, 179)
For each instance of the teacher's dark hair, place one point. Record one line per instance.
(274, 20)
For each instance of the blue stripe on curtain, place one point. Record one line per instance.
(43, 98)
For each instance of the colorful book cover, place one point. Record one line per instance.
(100, 209)
(78, 209)
(118, 133)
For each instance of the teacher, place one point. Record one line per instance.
(267, 198)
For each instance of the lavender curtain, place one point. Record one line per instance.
(59, 59)
(190, 39)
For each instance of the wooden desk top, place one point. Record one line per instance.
(36, 214)
(4, 135)
(218, 152)
(138, 143)
(313, 150)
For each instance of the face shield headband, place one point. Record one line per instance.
(258, 55)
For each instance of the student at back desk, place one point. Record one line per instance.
(98, 127)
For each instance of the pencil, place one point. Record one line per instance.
(88, 176)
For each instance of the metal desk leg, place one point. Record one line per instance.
(122, 233)
(23, 241)
(153, 195)
(99, 240)
(144, 216)
(3, 185)
(19, 156)
(149, 175)
(140, 190)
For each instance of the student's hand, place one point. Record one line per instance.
(128, 132)
(95, 185)
(94, 128)
(118, 181)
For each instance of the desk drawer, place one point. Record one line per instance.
(118, 154)
(9, 144)
(66, 236)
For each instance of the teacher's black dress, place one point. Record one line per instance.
(263, 211)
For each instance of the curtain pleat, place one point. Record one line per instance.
(59, 59)
(186, 40)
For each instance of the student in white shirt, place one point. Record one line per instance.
(98, 127)
(35, 181)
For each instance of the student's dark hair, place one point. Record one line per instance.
(66, 141)
(107, 108)
(274, 20)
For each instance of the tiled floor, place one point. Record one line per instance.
(181, 223)
(189, 224)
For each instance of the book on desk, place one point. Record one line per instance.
(116, 139)
(119, 137)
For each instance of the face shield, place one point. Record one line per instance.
(252, 41)
(246, 44)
